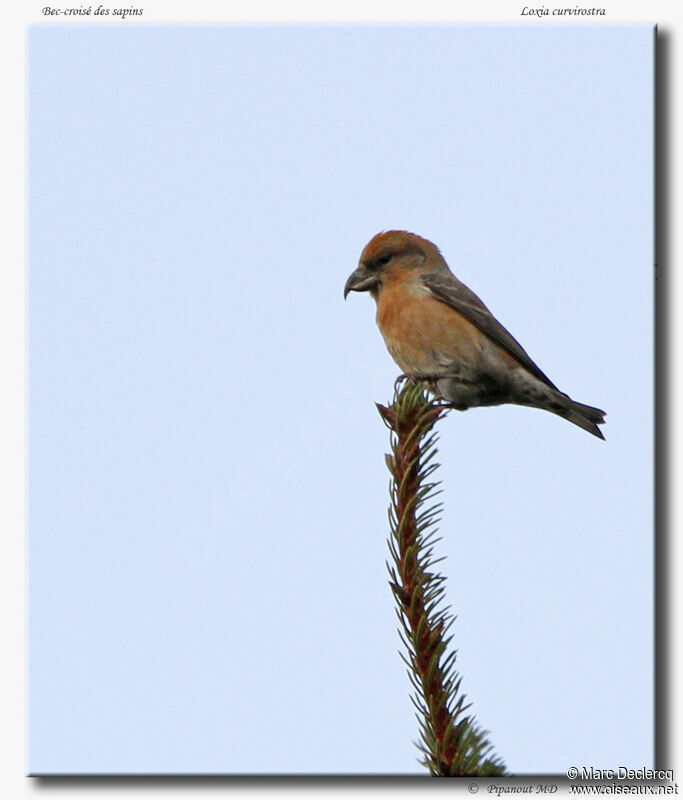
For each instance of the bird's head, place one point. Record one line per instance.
(388, 256)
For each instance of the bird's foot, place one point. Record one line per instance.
(416, 377)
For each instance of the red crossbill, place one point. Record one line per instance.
(437, 330)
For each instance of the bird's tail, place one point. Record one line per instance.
(585, 417)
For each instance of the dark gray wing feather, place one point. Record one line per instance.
(448, 289)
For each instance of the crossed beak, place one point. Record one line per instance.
(360, 280)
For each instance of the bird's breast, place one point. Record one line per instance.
(422, 334)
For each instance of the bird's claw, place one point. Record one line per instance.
(402, 377)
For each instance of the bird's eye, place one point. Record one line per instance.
(385, 259)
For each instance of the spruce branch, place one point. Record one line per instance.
(452, 743)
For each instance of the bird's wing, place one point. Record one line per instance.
(448, 289)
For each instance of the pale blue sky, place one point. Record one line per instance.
(207, 484)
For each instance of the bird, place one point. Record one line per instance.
(437, 330)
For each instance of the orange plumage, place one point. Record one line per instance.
(437, 329)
